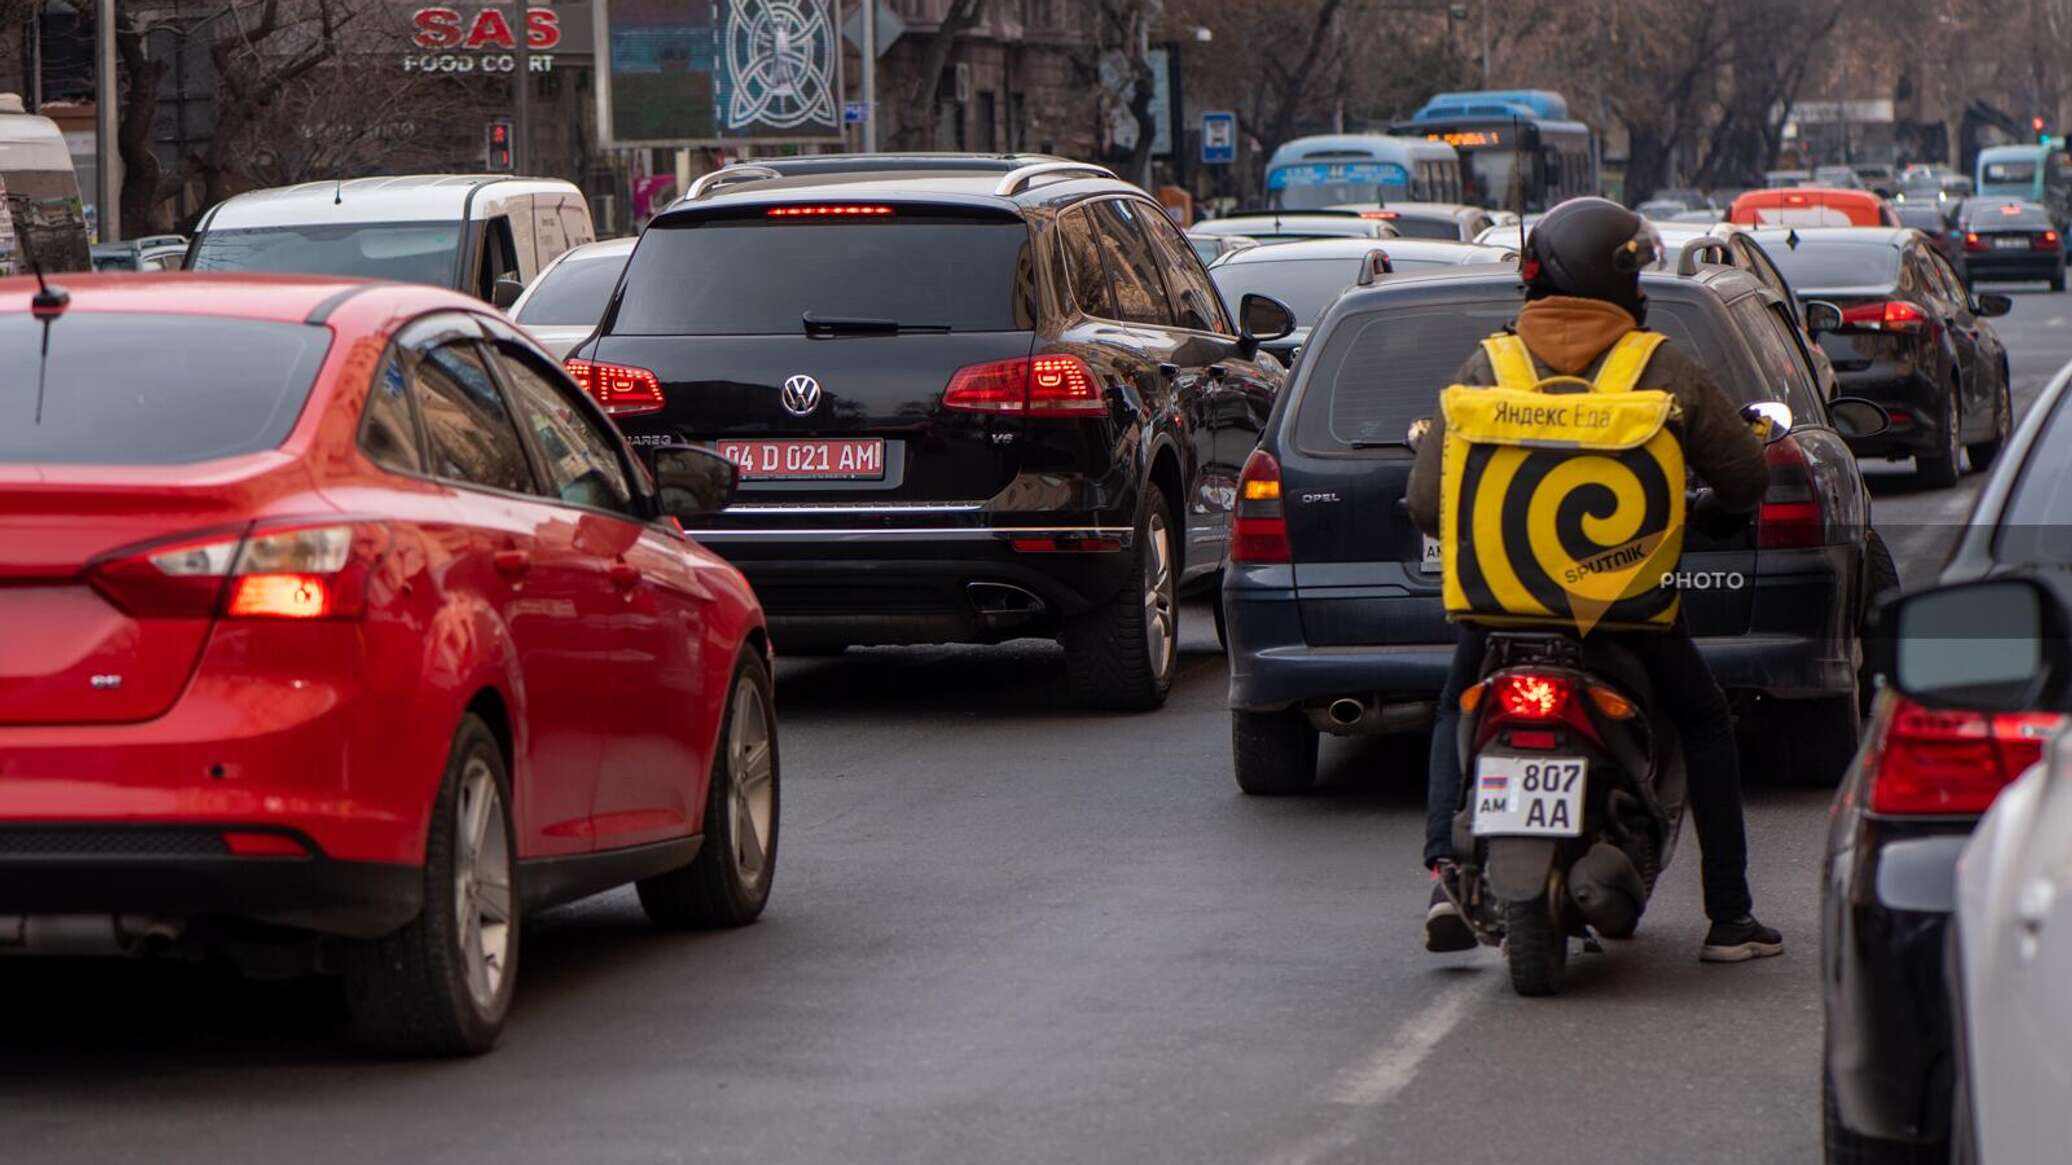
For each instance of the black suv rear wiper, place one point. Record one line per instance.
(817, 325)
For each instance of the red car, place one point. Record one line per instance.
(341, 627)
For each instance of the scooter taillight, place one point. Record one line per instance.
(1532, 704)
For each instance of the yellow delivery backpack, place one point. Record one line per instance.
(1562, 500)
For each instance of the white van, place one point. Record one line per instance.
(484, 234)
(42, 214)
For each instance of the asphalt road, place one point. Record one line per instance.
(1007, 931)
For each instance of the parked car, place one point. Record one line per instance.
(1913, 338)
(359, 634)
(485, 234)
(1811, 206)
(1877, 177)
(1270, 227)
(1430, 220)
(561, 307)
(1784, 179)
(995, 399)
(1307, 276)
(1209, 248)
(150, 253)
(1332, 598)
(2009, 240)
(1661, 209)
(1685, 198)
(1892, 875)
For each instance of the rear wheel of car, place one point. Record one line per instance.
(442, 985)
(1121, 656)
(1938, 470)
(2057, 282)
(728, 883)
(1983, 452)
(1535, 947)
(1844, 1146)
(1273, 753)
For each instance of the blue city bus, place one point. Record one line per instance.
(1336, 169)
(2032, 173)
(1518, 149)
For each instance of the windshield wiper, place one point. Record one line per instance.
(819, 325)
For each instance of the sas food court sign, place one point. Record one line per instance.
(484, 38)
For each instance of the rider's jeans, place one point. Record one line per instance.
(1686, 692)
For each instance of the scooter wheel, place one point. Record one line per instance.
(1535, 947)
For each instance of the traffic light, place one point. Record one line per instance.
(496, 141)
(2036, 123)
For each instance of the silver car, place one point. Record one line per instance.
(563, 305)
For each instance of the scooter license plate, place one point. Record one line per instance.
(1529, 796)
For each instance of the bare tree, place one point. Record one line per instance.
(1120, 42)
(917, 126)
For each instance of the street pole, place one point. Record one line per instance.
(1485, 44)
(521, 112)
(870, 76)
(107, 161)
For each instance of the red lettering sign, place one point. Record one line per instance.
(437, 28)
(443, 28)
(491, 28)
(542, 28)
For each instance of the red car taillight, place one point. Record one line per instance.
(1894, 315)
(1260, 533)
(1937, 761)
(2047, 241)
(622, 389)
(1790, 514)
(1041, 386)
(309, 572)
(1971, 243)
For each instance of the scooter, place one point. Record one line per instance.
(1573, 797)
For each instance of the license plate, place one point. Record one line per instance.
(2012, 244)
(1432, 563)
(1537, 796)
(852, 459)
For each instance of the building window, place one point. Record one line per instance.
(988, 127)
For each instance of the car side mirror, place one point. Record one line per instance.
(1995, 645)
(1991, 303)
(691, 482)
(505, 291)
(1261, 318)
(1769, 419)
(1853, 416)
(1419, 429)
(1822, 316)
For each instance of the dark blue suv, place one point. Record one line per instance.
(1332, 596)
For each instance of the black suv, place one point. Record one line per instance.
(1332, 597)
(972, 398)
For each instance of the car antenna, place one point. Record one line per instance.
(338, 192)
(46, 305)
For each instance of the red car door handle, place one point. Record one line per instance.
(512, 563)
(624, 575)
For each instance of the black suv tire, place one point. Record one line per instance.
(1983, 453)
(1113, 661)
(1940, 470)
(1273, 753)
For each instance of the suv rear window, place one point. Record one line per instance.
(1995, 215)
(205, 387)
(741, 275)
(1378, 371)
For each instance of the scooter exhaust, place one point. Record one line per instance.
(1608, 890)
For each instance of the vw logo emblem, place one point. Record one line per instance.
(801, 395)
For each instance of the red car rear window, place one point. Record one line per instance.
(122, 389)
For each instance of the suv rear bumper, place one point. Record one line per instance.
(2014, 265)
(1801, 653)
(919, 584)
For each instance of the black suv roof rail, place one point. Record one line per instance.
(1018, 169)
(1687, 258)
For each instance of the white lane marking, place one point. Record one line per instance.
(1377, 1079)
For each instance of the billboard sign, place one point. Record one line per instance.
(719, 72)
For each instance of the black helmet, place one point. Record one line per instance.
(1593, 248)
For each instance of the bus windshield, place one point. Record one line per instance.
(1316, 185)
(1490, 177)
(2015, 173)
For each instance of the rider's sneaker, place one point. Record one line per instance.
(1445, 930)
(1739, 941)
